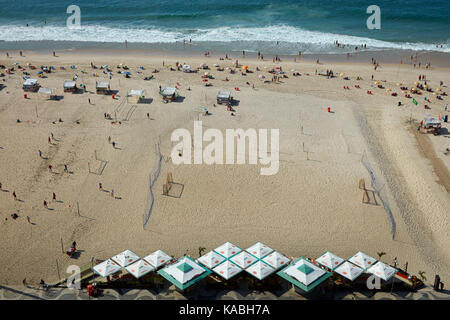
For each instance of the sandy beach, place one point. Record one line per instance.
(312, 205)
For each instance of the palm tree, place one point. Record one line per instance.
(380, 254)
(422, 275)
(201, 250)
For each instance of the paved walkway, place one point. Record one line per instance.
(22, 293)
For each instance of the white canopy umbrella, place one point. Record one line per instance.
(243, 259)
(46, 91)
(304, 271)
(138, 93)
(362, 260)
(125, 258)
(211, 259)
(260, 270)
(349, 270)
(184, 270)
(276, 260)
(158, 258)
(106, 268)
(227, 250)
(227, 269)
(30, 82)
(382, 270)
(259, 250)
(140, 268)
(330, 260)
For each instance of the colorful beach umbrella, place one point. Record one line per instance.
(211, 259)
(227, 269)
(106, 268)
(276, 260)
(260, 270)
(243, 259)
(158, 258)
(227, 250)
(259, 250)
(382, 270)
(125, 258)
(330, 260)
(140, 268)
(349, 270)
(362, 260)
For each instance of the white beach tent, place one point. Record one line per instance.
(186, 68)
(330, 260)
(304, 271)
(243, 259)
(211, 259)
(30, 82)
(158, 258)
(140, 268)
(349, 270)
(106, 268)
(382, 270)
(134, 96)
(227, 269)
(184, 270)
(260, 270)
(125, 258)
(259, 250)
(49, 93)
(276, 260)
(362, 260)
(227, 250)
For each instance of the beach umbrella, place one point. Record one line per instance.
(227, 269)
(349, 270)
(106, 268)
(211, 259)
(244, 67)
(382, 270)
(304, 272)
(276, 260)
(227, 250)
(184, 272)
(125, 258)
(362, 260)
(259, 250)
(158, 258)
(260, 270)
(329, 260)
(243, 259)
(140, 268)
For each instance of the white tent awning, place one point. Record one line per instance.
(70, 84)
(349, 270)
(276, 260)
(330, 260)
(46, 91)
(102, 85)
(243, 259)
(211, 259)
(362, 260)
(260, 270)
(158, 258)
(184, 270)
(106, 268)
(227, 269)
(304, 271)
(125, 258)
(140, 268)
(259, 250)
(30, 82)
(227, 250)
(138, 93)
(382, 270)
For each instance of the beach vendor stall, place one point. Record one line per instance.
(48, 93)
(70, 86)
(102, 87)
(431, 125)
(169, 94)
(224, 97)
(30, 85)
(135, 96)
(187, 68)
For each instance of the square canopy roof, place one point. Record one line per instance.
(184, 273)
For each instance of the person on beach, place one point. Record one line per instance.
(45, 204)
(54, 196)
(7, 55)
(148, 115)
(40, 153)
(54, 53)
(114, 144)
(100, 186)
(109, 139)
(112, 193)
(14, 195)
(50, 168)
(20, 52)
(1, 186)
(29, 219)
(49, 140)
(89, 100)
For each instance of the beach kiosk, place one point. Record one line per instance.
(432, 125)
(48, 93)
(70, 86)
(305, 276)
(184, 273)
(102, 87)
(224, 97)
(135, 96)
(169, 94)
(30, 85)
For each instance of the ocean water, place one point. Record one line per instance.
(282, 26)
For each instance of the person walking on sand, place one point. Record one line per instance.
(109, 139)
(100, 187)
(50, 168)
(45, 204)
(114, 144)
(148, 115)
(29, 219)
(14, 195)
(40, 153)
(112, 193)
(54, 196)
(89, 100)
(1, 186)
(65, 168)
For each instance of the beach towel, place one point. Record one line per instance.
(414, 101)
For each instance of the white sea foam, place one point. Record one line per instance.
(284, 34)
